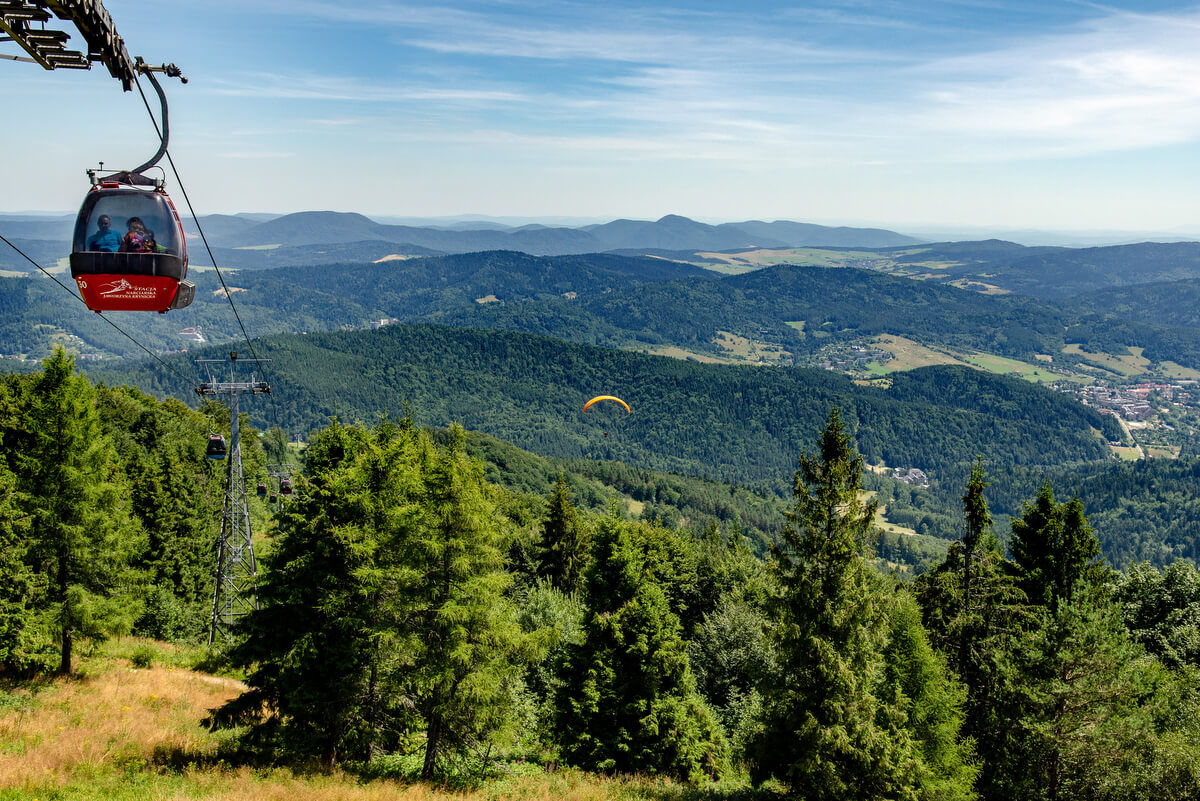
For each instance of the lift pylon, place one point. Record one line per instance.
(236, 573)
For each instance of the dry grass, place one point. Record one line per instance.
(908, 355)
(246, 785)
(98, 738)
(109, 719)
(117, 734)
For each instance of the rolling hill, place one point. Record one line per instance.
(237, 236)
(722, 422)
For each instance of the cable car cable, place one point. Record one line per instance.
(183, 190)
(163, 133)
(124, 333)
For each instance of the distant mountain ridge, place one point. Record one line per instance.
(672, 232)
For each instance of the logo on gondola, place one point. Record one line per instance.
(125, 288)
(115, 287)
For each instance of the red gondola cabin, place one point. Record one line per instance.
(129, 252)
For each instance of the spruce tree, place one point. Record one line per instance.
(469, 647)
(383, 606)
(565, 545)
(1085, 728)
(324, 650)
(925, 703)
(977, 617)
(1054, 548)
(628, 701)
(825, 731)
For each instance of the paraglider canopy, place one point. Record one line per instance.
(607, 397)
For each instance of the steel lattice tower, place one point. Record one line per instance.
(236, 573)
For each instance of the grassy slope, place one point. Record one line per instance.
(115, 733)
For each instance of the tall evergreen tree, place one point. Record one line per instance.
(628, 701)
(383, 604)
(315, 646)
(1085, 728)
(1054, 548)
(82, 536)
(471, 648)
(825, 730)
(925, 702)
(977, 616)
(565, 545)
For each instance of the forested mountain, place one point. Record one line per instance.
(1170, 303)
(1054, 272)
(1063, 273)
(335, 231)
(732, 423)
(619, 301)
(314, 298)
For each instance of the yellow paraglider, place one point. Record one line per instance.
(607, 397)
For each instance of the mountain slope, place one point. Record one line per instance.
(729, 423)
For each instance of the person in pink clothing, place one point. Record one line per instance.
(135, 238)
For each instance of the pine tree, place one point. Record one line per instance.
(565, 545)
(82, 536)
(826, 733)
(628, 701)
(470, 648)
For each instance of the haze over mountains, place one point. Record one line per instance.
(671, 232)
(913, 316)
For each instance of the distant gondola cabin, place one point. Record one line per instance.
(262, 489)
(285, 486)
(216, 447)
(129, 252)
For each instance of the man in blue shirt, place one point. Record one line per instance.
(105, 238)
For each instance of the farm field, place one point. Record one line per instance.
(909, 355)
(1125, 366)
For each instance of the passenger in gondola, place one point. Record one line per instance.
(135, 238)
(105, 239)
(149, 245)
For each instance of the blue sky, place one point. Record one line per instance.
(911, 115)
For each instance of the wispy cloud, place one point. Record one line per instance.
(310, 86)
(1117, 82)
(1123, 81)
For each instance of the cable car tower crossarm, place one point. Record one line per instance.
(47, 46)
(236, 572)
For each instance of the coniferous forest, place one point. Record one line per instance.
(433, 607)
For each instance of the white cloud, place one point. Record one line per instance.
(1123, 82)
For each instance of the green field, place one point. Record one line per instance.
(1039, 374)
(1173, 370)
(1128, 366)
(746, 261)
(907, 355)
